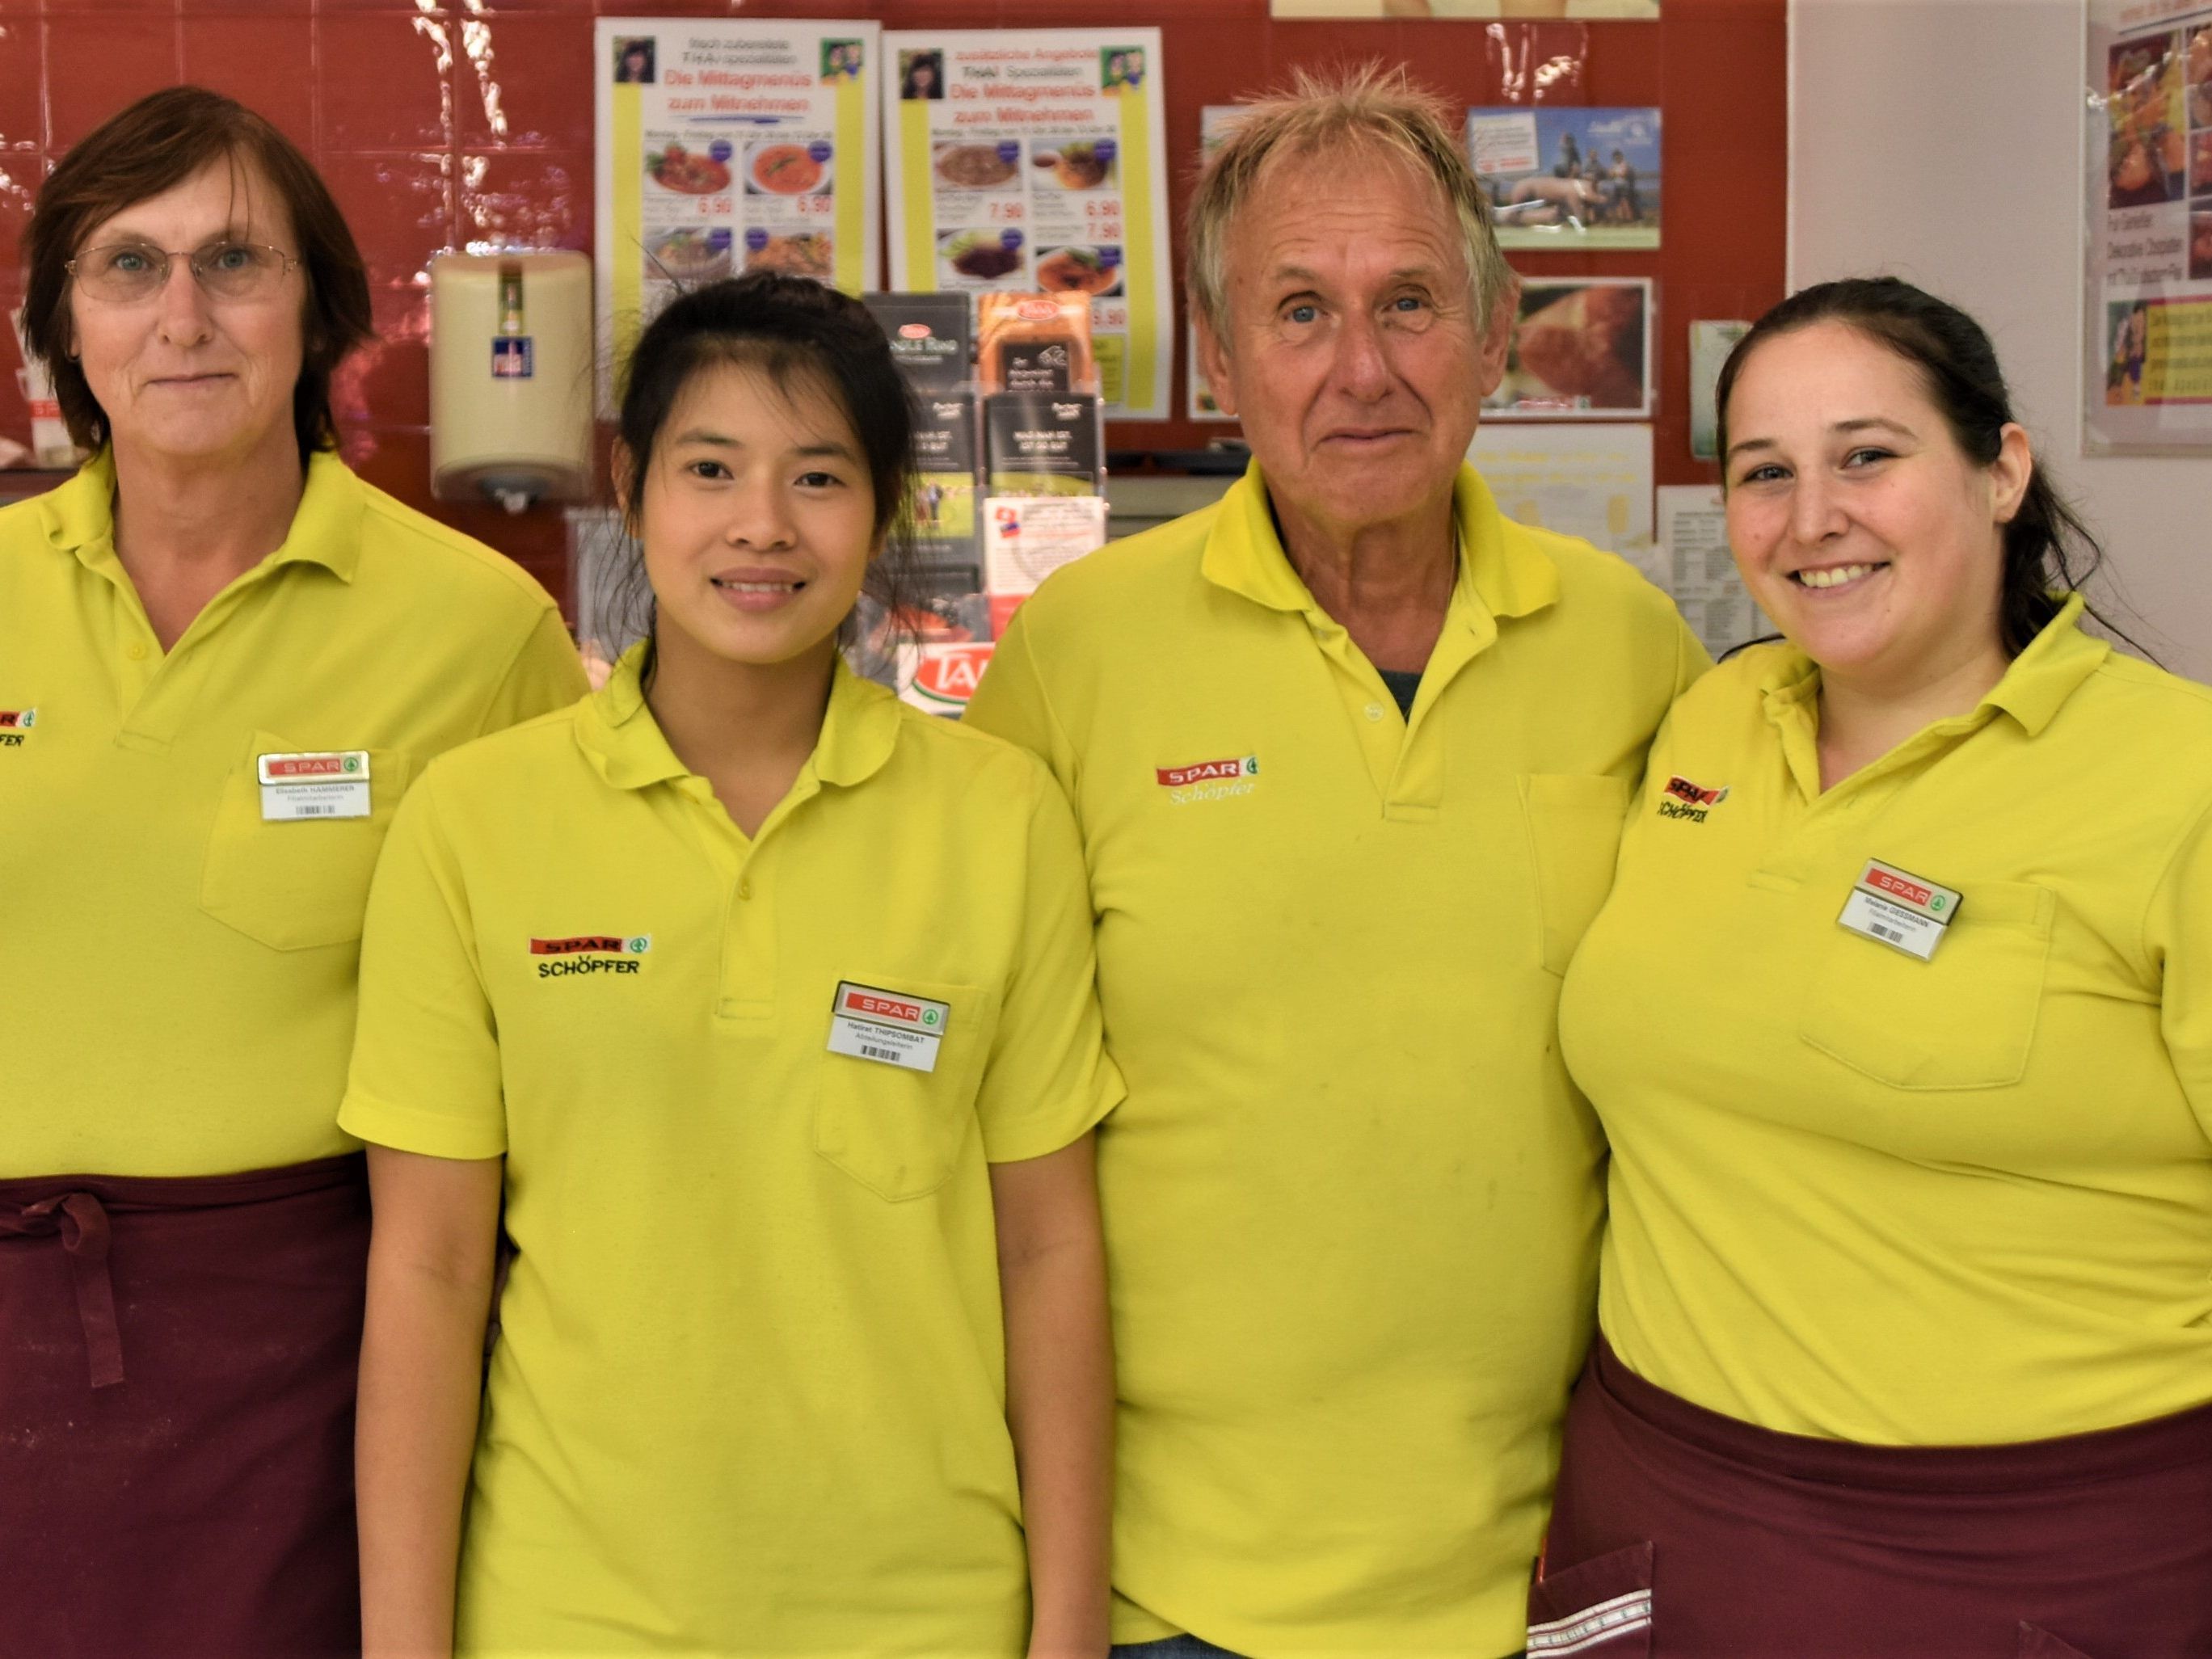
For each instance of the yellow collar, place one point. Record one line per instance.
(2052, 669)
(859, 729)
(1502, 571)
(2033, 689)
(80, 516)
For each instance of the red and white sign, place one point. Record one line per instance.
(1895, 886)
(874, 1004)
(1174, 777)
(1902, 887)
(945, 675)
(582, 942)
(334, 764)
(1696, 794)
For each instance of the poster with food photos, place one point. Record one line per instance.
(1034, 160)
(728, 145)
(1581, 350)
(2147, 379)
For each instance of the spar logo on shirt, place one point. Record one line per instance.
(1681, 798)
(581, 955)
(1212, 779)
(15, 724)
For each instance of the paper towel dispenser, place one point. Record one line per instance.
(511, 378)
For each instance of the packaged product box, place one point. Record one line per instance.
(932, 337)
(944, 471)
(1040, 444)
(1027, 539)
(1034, 342)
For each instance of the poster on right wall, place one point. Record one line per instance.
(2147, 328)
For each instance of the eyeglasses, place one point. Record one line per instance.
(126, 272)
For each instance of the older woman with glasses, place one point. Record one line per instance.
(222, 659)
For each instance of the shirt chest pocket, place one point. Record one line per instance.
(897, 1130)
(1574, 836)
(295, 883)
(1965, 1018)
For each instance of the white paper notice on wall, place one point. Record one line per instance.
(1027, 537)
(1594, 481)
(1700, 573)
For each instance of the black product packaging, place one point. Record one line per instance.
(932, 337)
(1042, 364)
(1039, 444)
(944, 500)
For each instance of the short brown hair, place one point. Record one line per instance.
(158, 143)
(1367, 104)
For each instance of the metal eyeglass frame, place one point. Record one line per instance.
(290, 263)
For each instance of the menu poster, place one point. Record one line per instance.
(2146, 382)
(1563, 177)
(727, 146)
(1034, 160)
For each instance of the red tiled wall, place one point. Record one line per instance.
(469, 122)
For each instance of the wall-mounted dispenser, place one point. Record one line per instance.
(511, 378)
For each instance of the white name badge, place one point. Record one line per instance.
(1901, 910)
(333, 784)
(889, 1026)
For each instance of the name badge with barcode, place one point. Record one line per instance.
(889, 1026)
(1904, 911)
(333, 784)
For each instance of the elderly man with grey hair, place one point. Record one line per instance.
(1351, 752)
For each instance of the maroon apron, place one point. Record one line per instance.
(1682, 1534)
(177, 1366)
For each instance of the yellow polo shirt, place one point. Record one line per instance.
(178, 972)
(1353, 1201)
(750, 1394)
(1858, 1195)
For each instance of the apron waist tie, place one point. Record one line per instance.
(81, 1221)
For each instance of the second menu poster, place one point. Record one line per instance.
(1036, 160)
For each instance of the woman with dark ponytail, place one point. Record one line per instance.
(1899, 1019)
(2049, 553)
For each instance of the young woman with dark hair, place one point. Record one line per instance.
(1899, 1019)
(764, 1003)
(223, 658)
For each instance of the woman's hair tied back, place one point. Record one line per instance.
(2048, 550)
